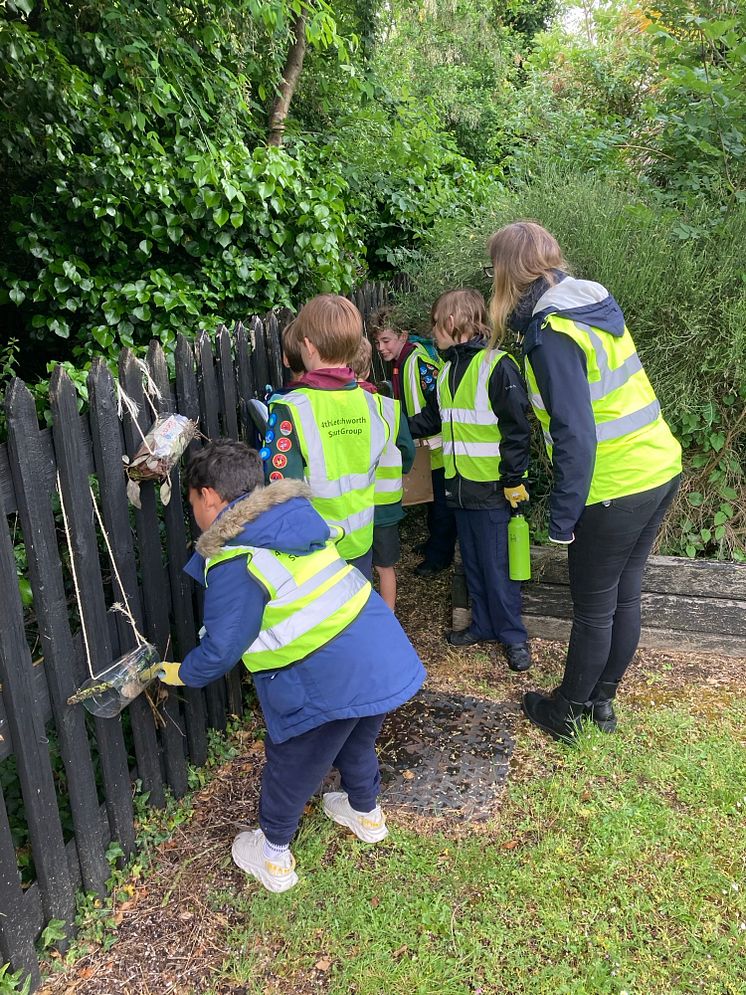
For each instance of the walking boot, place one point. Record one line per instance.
(518, 656)
(600, 706)
(555, 715)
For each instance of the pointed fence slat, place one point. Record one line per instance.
(181, 592)
(259, 362)
(274, 349)
(188, 402)
(155, 582)
(227, 384)
(246, 386)
(68, 444)
(31, 746)
(16, 925)
(209, 401)
(108, 448)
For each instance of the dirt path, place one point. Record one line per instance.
(172, 934)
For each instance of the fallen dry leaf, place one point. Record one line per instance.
(323, 965)
(375, 901)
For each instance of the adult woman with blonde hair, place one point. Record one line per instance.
(616, 465)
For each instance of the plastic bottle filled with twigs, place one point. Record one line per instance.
(112, 690)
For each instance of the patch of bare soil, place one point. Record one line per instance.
(173, 932)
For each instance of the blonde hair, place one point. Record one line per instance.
(332, 324)
(521, 252)
(468, 310)
(361, 362)
(291, 353)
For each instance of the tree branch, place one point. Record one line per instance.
(290, 75)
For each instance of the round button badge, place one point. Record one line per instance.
(284, 444)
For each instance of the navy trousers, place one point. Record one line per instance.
(441, 524)
(295, 769)
(364, 564)
(495, 598)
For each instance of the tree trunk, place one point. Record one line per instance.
(293, 66)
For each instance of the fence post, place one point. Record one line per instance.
(274, 349)
(106, 435)
(78, 507)
(50, 603)
(155, 584)
(181, 594)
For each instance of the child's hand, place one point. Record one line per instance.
(169, 673)
(514, 495)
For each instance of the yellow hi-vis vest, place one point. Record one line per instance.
(342, 436)
(389, 488)
(471, 435)
(414, 396)
(635, 449)
(311, 600)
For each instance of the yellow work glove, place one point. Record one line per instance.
(169, 673)
(514, 495)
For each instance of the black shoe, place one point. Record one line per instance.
(555, 715)
(464, 637)
(426, 569)
(600, 707)
(519, 656)
(420, 549)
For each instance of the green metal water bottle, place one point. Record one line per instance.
(519, 550)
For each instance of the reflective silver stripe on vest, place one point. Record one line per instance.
(387, 485)
(307, 618)
(537, 402)
(390, 455)
(610, 379)
(352, 523)
(475, 449)
(267, 564)
(465, 416)
(547, 437)
(624, 425)
(413, 368)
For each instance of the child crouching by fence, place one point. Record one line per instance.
(327, 656)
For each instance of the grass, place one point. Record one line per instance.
(616, 866)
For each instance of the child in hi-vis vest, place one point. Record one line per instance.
(327, 656)
(480, 409)
(327, 431)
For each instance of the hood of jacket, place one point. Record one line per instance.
(279, 516)
(465, 350)
(582, 301)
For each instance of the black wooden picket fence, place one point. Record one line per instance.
(42, 656)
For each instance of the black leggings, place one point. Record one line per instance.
(612, 543)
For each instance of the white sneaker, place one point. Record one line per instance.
(248, 854)
(370, 827)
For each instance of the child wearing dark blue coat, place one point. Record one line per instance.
(328, 658)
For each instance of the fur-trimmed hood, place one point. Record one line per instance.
(278, 516)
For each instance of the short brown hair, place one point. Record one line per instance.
(229, 467)
(291, 353)
(332, 324)
(468, 310)
(361, 361)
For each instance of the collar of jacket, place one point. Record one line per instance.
(233, 519)
(328, 378)
(462, 349)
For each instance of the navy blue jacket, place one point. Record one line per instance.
(369, 668)
(562, 378)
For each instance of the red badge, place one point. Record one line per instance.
(284, 445)
(286, 427)
(279, 461)
(276, 475)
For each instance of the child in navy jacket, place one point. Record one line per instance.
(341, 664)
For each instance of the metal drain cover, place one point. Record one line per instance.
(446, 754)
